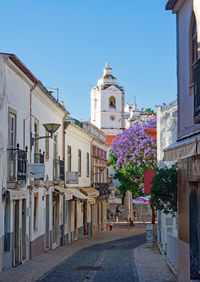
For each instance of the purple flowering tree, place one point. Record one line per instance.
(132, 153)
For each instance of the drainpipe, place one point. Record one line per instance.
(31, 90)
(30, 151)
(64, 201)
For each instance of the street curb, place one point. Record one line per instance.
(172, 269)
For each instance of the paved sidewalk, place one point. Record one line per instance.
(37, 267)
(151, 266)
(148, 264)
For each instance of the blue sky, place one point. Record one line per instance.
(67, 43)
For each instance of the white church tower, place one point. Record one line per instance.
(107, 104)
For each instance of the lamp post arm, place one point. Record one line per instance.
(41, 137)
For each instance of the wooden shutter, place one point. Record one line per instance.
(196, 77)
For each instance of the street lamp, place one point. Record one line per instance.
(50, 128)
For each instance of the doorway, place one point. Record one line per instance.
(17, 243)
(85, 207)
(55, 220)
(23, 230)
(194, 230)
(47, 222)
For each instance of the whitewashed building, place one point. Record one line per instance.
(187, 148)
(30, 203)
(167, 232)
(132, 115)
(86, 211)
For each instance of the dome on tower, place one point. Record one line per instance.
(107, 79)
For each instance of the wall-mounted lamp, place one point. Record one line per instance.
(50, 128)
(100, 168)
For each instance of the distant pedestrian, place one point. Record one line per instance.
(111, 224)
(117, 210)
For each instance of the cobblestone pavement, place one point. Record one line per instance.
(117, 255)
(151, 265)
(111, 261)
(37, 267)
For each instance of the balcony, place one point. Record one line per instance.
(39, 158)
(103, 189)
(17, 165)
(58, 170)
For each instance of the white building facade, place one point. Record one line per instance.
(30, 222)
(186, 149)
(167, 231)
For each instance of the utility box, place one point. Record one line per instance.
(149, 235)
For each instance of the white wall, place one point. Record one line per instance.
(78, 139)
(186, 97)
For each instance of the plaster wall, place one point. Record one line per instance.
(185, 90)
(166, 130)
(78, 139)
(44, 111)
(14, 94)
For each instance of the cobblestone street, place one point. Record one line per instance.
(107, 257)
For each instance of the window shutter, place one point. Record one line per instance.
(196, 77)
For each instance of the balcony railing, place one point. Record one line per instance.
(39, 158)
(58, 170)
(103, 189)
(17, 165)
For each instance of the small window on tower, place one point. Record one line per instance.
(112, 102)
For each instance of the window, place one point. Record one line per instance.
(88, 165)
(79, 162)
(69, 158)
(193, 46)
(36, 133)
(46, 145)
(35, 220)
(112, 102)
(11, 145)
(12, 130)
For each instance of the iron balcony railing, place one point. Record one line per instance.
(103, 189)
(17, 165)
(58, 170)
(39, 158)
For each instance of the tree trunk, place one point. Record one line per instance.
(153, 215)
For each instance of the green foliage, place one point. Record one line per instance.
(149, 111)
(164, 190)
(130, 178)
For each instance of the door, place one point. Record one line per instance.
(47, 222)
(85, 205)
(194, 231)
(23, 229)
(75, 220)
(17, 243)
(55, 220)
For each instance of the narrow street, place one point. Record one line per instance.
(106, 257)
(110, 261)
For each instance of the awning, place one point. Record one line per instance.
(17, 193)
(142, 200)
(77, 194)
(182, 149)
(90, 191)
(65, 191)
